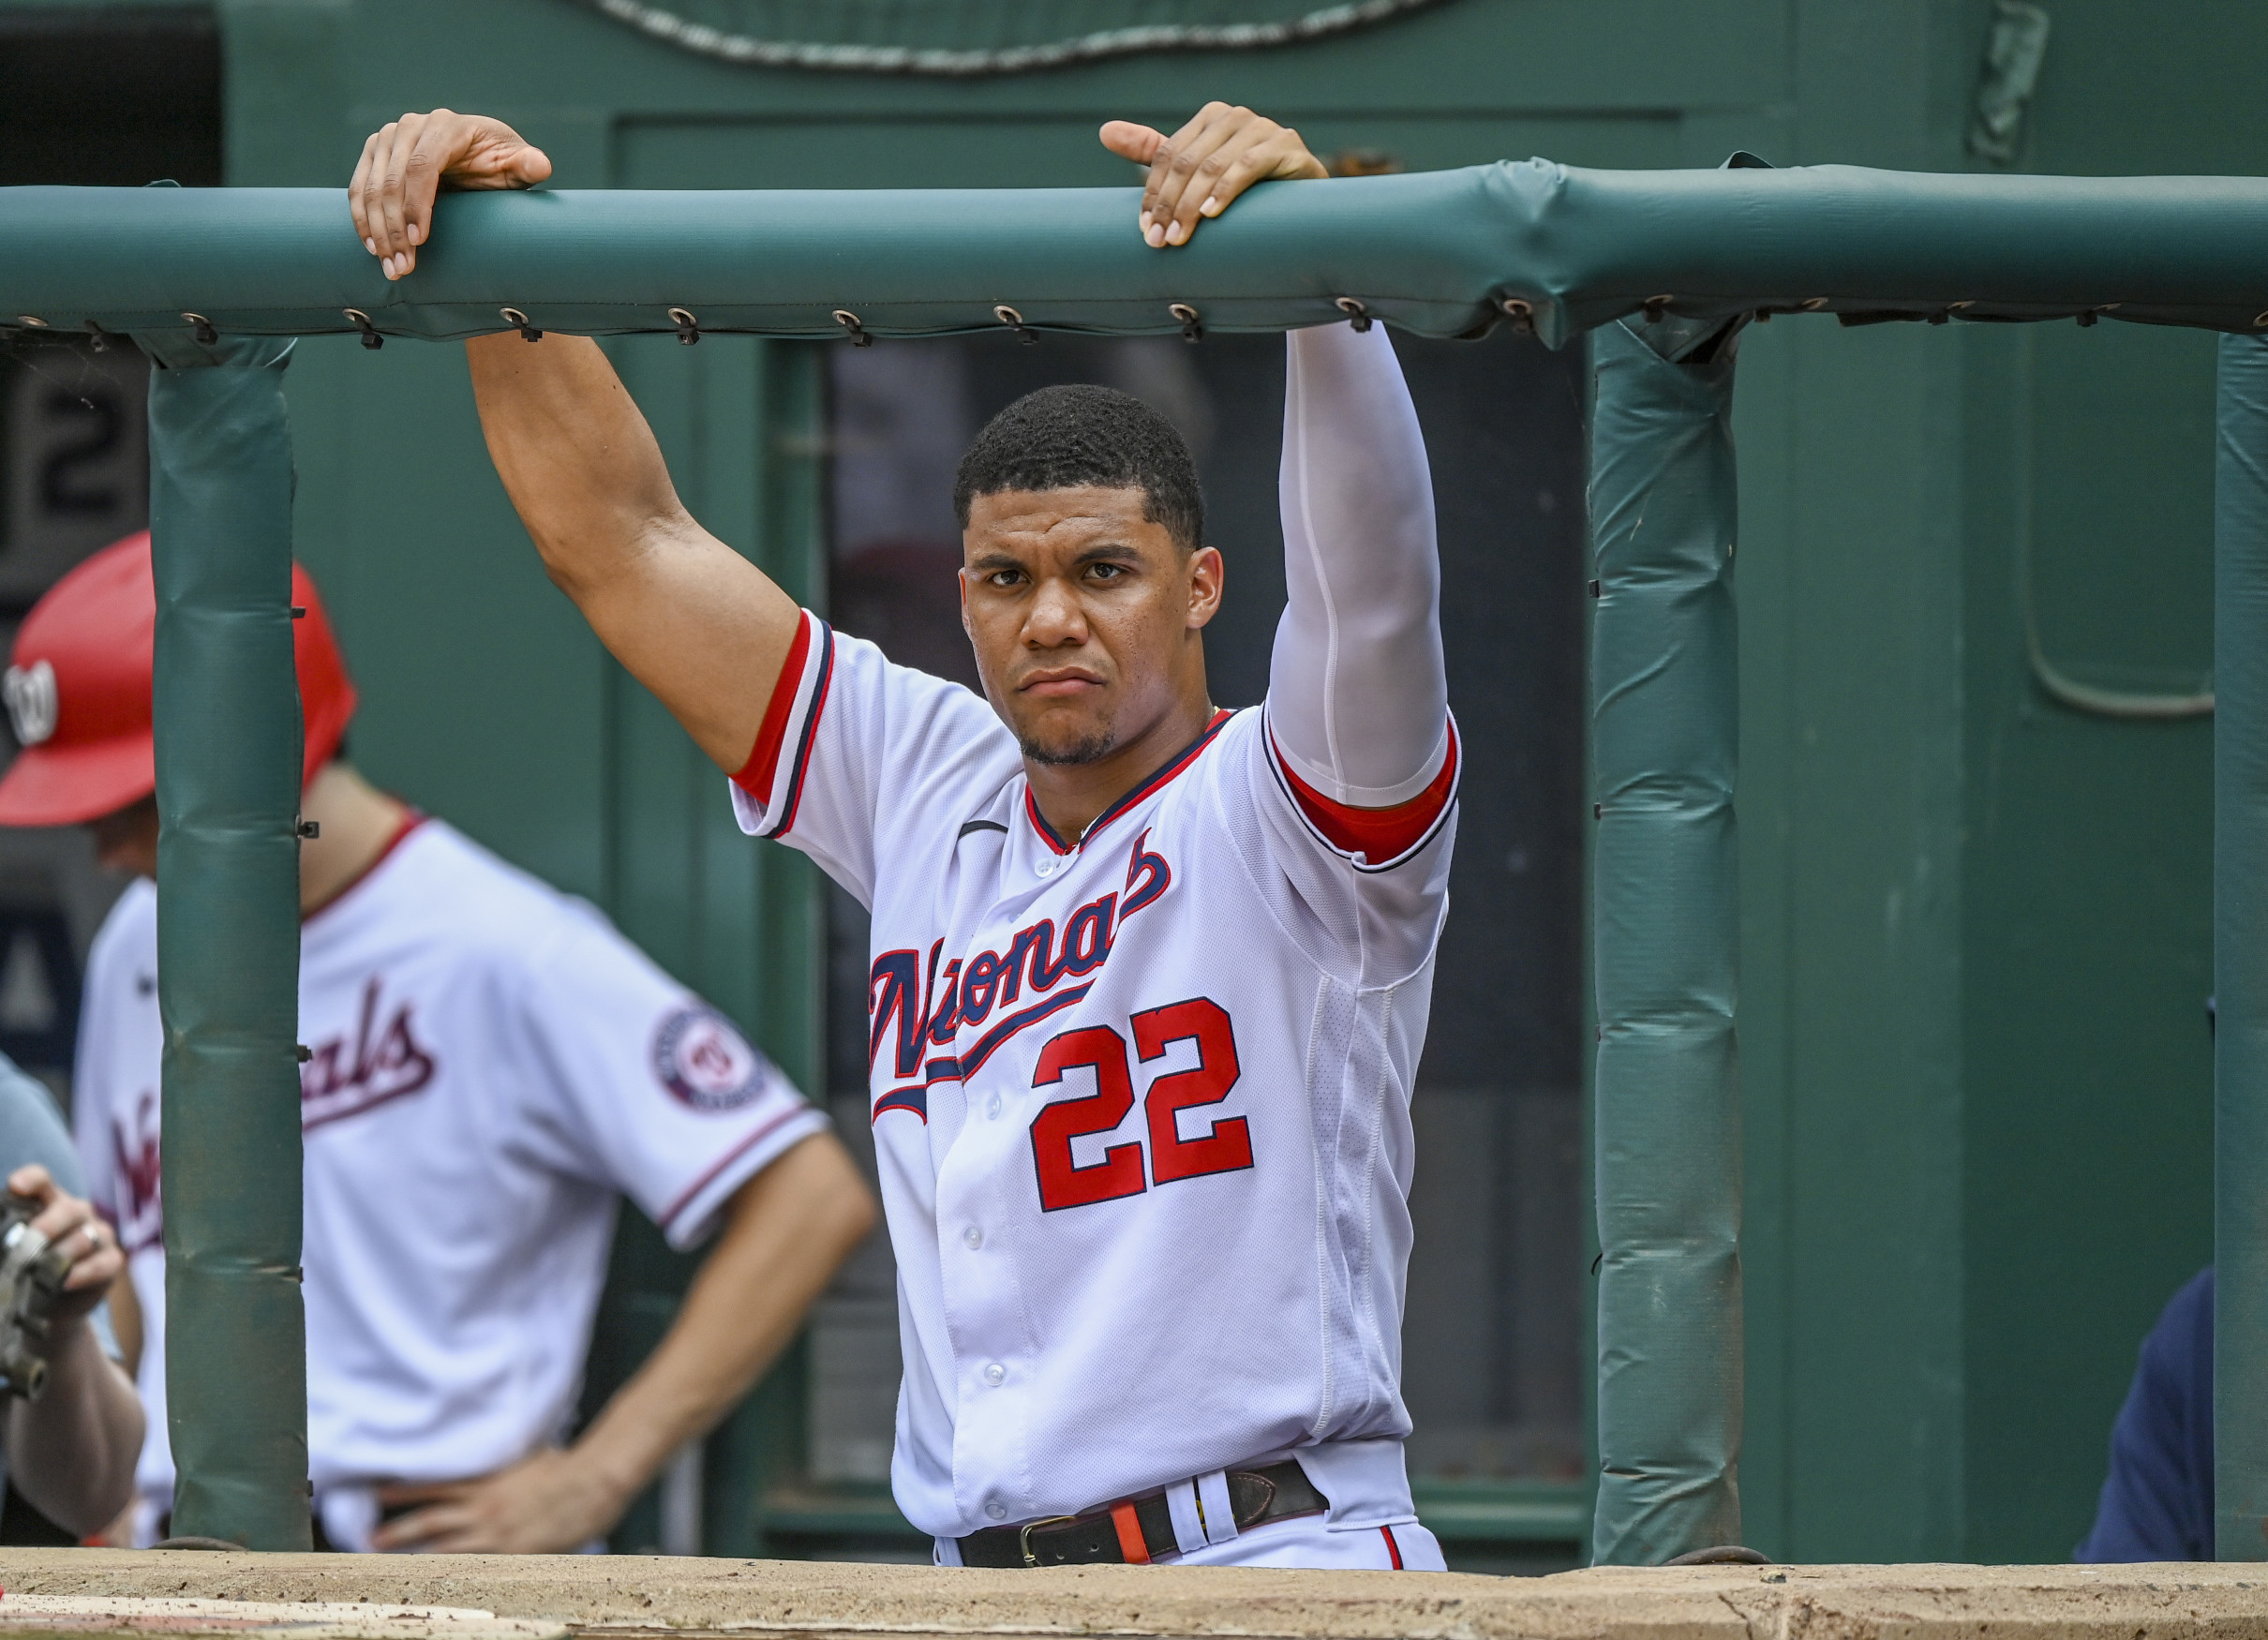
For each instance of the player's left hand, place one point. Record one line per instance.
(552, 1503)
(1202, 168)
(69, 1223)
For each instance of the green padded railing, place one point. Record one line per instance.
(1437, 254)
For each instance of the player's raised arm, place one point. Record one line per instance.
(691, 620)
(1358, 701)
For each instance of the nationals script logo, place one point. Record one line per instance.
(382, 1063)
(134, 1149)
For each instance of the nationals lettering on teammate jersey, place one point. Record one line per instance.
(491, 1067)
(1139, 1102)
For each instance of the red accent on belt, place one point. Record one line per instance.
(1129, 1535)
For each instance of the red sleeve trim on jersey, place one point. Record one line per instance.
(773, 774)
(1379, 836)
(755, 776)
(708, 1176)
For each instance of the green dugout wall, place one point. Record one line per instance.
(1976, 935)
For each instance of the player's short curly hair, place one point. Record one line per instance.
(1062, 436)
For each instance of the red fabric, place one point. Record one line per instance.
(755, 776)
(1377, 835)
(1129, 1535)
(95, 630)
(1392, 1549)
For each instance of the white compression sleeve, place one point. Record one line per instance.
(1358, 701)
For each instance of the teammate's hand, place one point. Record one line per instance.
(548, 1504)
(405, 164)
(72, 1224)
(1200, 168)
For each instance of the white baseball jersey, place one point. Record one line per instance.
(1140, 1102)
(492, 1064)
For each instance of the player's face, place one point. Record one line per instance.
(127, 840)
(1085, 616)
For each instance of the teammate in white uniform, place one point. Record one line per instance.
(490, 1064)
(1149, 980)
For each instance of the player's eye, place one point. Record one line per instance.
(1105, 572)
(1004, 577)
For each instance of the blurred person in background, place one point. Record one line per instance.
(487, 1063)
(69, 1452)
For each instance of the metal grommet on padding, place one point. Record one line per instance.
(1014, 321)
(519, 321)
(689, 328)
(1192, 326)
(1357, 314)
(849, 321)
(199, 326)
(362, 323)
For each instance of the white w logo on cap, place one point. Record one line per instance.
(30, 693)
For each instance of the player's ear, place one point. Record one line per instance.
(961, 586)
(1207, 577)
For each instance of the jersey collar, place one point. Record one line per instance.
(1141, 789)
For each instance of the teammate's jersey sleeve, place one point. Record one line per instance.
(1358, 698)
(855, 747)
(637, 1083)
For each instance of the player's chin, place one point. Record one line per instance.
(1065, 739)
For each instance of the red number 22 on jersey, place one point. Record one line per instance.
(1226, 1148)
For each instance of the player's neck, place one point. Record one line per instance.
(355, 823)
(1072, 796)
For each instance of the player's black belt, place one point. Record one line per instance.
(1139, 1530)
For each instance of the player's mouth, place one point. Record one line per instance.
(1059, 682)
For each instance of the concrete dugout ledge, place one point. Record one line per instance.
(622, 1595)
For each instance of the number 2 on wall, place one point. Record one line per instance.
(1226, 1148)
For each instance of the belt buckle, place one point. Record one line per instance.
(1023, 1536)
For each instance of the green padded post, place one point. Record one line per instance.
(227, 715)
(2240, 954)
(1665, 742)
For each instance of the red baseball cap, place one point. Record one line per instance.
(78, 693)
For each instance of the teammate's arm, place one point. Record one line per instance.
(787, 1229)
(72, 1450)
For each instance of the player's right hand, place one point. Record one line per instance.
(72, 1224)
(408, 161)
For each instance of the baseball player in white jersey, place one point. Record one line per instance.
(1149, 980)
(490, 1063)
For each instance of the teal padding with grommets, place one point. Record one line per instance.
(1666, 937)
(226, 707)
(1434, 253)
(2240, 953)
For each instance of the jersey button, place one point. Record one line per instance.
(992, 1105)
(1047, 867)
(974, 1237)
(996, 1510)
(996, 1374)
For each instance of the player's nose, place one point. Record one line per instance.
(1055, 617)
